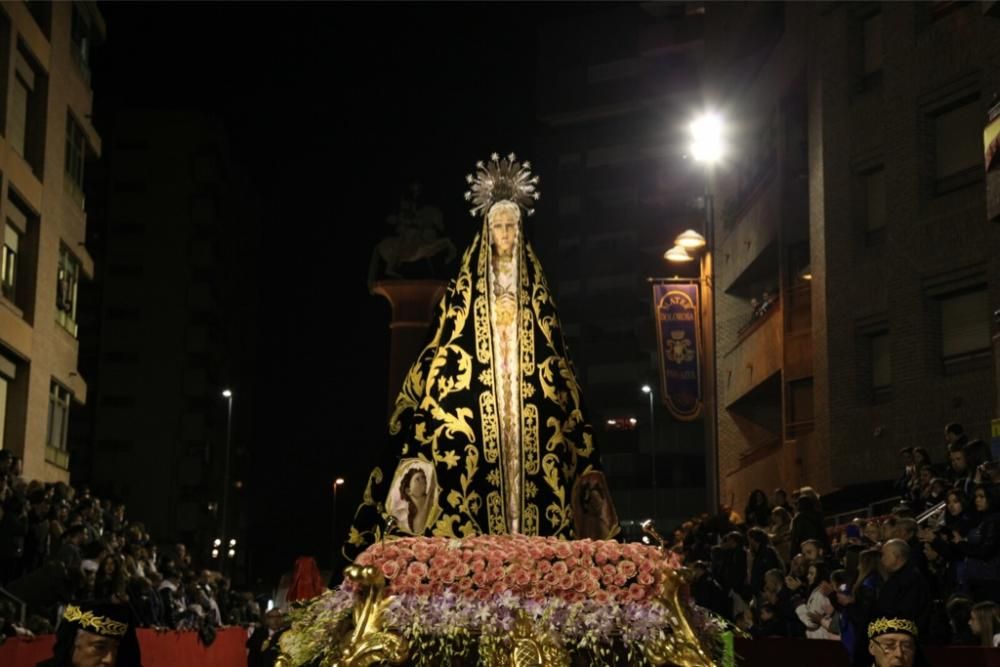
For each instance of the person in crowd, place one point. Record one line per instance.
(262, 646)
(707, 592)
(981, 546)
(95, 635)
(905, 592)
(871, 533)
(903, 485)
(814, 551)
(763, 558)
(959, 610)
(781, 500)
(13, 533)
(817, 612)
(858, 604)
(984, 621)
(807, 524)
(758, 511)
(892, 642)
(781, 533)
(776, 594)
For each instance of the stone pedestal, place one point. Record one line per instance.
(413, 304)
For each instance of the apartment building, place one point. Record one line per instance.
(47, 144)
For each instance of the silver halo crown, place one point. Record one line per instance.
(501, 179)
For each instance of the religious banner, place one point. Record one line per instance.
(678, 333)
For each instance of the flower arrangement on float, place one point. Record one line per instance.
(462, 601)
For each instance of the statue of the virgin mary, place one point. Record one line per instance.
(489, 434)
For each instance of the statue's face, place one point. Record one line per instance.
(503, 229)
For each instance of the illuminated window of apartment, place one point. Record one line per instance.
(9, 262)
(58, 427)
(8, 369)
(67, 281)
(871, 30)
(76, 153)
(965, 326)
(958, 156)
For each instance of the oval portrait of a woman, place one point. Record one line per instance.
(413, 496)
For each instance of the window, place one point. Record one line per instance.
(965, 326)
(55, 440)
(957, 147)
(26, 111)
(4, 387)
(8, 262)
(80, 41)
(881, 365)
(41, 10)
(871, 29)
(67, 281)
(20, 98)
(76, 152)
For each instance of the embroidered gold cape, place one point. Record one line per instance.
(445, 423)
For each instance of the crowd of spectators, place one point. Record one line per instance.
(60, 545)
(760, 307)
(777, 570)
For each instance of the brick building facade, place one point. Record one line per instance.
(855, 192)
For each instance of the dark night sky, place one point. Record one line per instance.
(332, 108)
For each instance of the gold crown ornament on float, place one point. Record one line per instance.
(500, 179)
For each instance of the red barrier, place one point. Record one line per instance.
(159, 649)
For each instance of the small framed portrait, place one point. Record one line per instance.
(413, 496)
(594, 515)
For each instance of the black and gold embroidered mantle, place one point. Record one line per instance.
(446, 419)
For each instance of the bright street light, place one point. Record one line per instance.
(690, 240)
(226, 393)
(338, 481)
(677, 254)
(707, 131)
(646, 389)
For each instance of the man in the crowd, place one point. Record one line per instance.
(262, 647)
(707, 592)
(905, 594)
(892, 642)
(95, 635)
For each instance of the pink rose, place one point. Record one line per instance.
(417, 569)
(566, 582)
(627, 569)
(602, 597)
(390, 569)
(646, 579)
(560, 568)
(543, 566)
(564, 550)
(636, 592)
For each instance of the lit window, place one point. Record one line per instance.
(58, 427)
(8, 262)
(76, 152)
(67, 282)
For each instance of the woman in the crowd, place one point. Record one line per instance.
(817, 612)
(807, 524)
(758, 511)
(981, 547)
(985, 623)
(859, 603)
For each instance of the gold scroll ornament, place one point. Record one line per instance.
(368, 642)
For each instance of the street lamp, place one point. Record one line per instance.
(708, 146)
(228, 395)
(646, 389)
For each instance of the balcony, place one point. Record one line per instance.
(749, 250)
(756, 357)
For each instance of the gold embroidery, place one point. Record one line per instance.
(527, 339)
(494, 509)
(487, 409)
(102, 625)
(530, 438)
(530, 524)
(483, 332)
